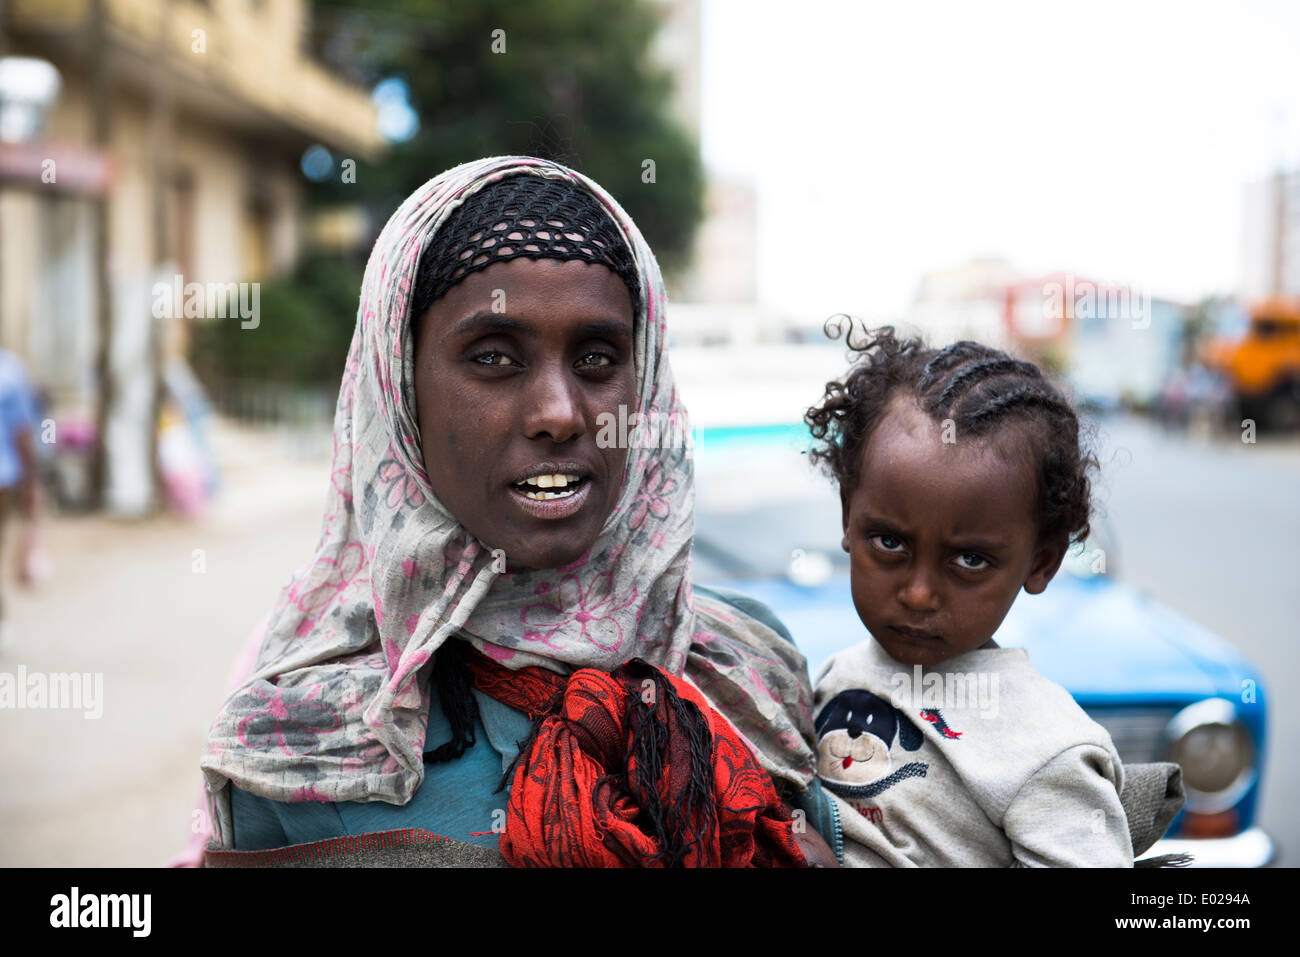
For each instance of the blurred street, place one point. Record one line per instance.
(125, 601)
(1209, 527)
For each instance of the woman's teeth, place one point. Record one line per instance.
(532, 487)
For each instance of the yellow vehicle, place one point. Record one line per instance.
(1263, 366)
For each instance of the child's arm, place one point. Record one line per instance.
(1069, 813)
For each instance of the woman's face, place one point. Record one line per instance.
(512, 368)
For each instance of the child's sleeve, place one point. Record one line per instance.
(1068, 814)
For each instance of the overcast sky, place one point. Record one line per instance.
(1112, 140)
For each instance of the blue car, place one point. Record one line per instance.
(1165, 688)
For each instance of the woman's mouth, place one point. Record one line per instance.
(551, 495)
(543, 488)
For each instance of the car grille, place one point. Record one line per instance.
(1138, 733)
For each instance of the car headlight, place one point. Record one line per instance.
(1216, 753)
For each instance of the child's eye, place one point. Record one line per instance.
(972, 562)
(887, 543)
(494, 359)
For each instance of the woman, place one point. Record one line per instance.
(483, 540)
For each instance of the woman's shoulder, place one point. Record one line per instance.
(455, 799)
(746, 605)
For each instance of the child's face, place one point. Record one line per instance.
(942, 536)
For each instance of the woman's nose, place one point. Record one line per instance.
(554, 408)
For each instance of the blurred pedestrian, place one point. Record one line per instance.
(18, 485)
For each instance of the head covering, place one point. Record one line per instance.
(337, 704)
(521, 216)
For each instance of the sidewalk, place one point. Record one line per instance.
(159, 608)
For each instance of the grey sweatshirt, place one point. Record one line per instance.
(977, 762)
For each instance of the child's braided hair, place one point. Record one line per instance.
(979, 389)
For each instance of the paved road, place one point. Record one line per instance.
(1211, 528)
(127, 603)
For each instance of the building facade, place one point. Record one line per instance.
(182, 123)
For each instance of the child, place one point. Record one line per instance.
(962, 480)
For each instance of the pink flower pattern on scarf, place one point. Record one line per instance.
(653, 498)
(283, 721)
(592, 611)
(401, 486)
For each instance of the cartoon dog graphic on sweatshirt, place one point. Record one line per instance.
(855, 731)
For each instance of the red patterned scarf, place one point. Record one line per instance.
(632, 768)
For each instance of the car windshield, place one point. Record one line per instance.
(762, 510)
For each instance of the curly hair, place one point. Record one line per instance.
(980, 390)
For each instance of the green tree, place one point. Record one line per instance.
(304, 329)
(575, 83)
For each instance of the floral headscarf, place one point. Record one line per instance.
(337, 704)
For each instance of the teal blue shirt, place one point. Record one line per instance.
(456, 798)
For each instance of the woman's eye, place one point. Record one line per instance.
(494, 359)
(887, 543)
(594, 360)
(972, 562)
